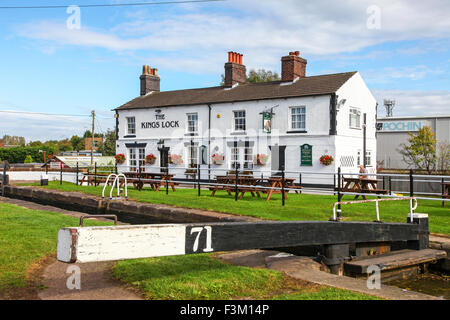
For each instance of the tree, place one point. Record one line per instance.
(443, 156)
(261, 76)
(77, 143)
(108, 147)
(257, 76)
(421, 151)
(13, 140)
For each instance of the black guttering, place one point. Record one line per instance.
(333, 120)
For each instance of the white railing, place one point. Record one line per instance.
(411, 207)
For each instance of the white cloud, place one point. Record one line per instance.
(414, 103)
(262, 30)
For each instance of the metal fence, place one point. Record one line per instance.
(204, 178)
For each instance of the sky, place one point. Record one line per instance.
(58, 62)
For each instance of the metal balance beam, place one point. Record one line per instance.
(107, 243)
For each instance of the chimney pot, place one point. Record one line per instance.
(235, 71)
(149, 80)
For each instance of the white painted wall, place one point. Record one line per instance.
(346, 143)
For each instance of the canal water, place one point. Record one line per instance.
(434, 284)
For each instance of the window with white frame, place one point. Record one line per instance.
(131, 125)
(192, 122)
(239, 120)
(141, 159)
(298, 118)
(235, 158)
(136, 158)
(248, 158)
(241, 158)
(132, 159)
(192, 156)
(368, 158)
(368, 161)
(355, 118)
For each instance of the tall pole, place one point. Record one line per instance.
(92, 142)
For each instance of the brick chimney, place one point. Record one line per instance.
(234, 69)
(293, 66)
(149, 80)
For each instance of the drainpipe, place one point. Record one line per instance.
(209, 142)
(364, 139)
(333, 111)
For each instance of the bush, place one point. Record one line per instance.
(19, 154)
(28, 159)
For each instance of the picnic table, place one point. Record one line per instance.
(252, 185)
(446, 193)
(361, 185)
(156, 180)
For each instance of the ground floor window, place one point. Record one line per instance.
(136, 158)
(368, 160)
(241, 158)
(192, 156)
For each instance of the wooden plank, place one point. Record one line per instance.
(86, 244)
(395, 260)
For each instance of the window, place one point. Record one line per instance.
(355, 118)
(192, 122)
(132, 158)
(368, 162)
(298, 118)
(368, 158)
(141, 157)
(136, 158)
(248, 158)
(192, 156)
(239, 120)
(131, 125)
(235, 158)
(242, 158)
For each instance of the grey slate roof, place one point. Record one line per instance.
(308, 86)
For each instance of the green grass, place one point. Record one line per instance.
(26, 236)
(202, 277)
(298, 207)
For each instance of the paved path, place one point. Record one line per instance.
(95, 278)
(96, 283)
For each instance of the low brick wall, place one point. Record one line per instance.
(127, 211)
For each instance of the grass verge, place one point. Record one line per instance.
(28, 241)
(201, 277)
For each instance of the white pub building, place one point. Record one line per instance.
(254, 127)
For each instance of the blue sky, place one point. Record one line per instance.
(401, 49)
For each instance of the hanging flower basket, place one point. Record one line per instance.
(218, 158)
(120, 158)
(326, 160)
(261, 159)
(150, 159)
(175, 159)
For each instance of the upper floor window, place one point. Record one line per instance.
(192, 119)
(355, 118)
(298, 118)
(239, 120)
(131, 125)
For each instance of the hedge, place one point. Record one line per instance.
(18, 154)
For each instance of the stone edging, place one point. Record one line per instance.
(126, 211)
